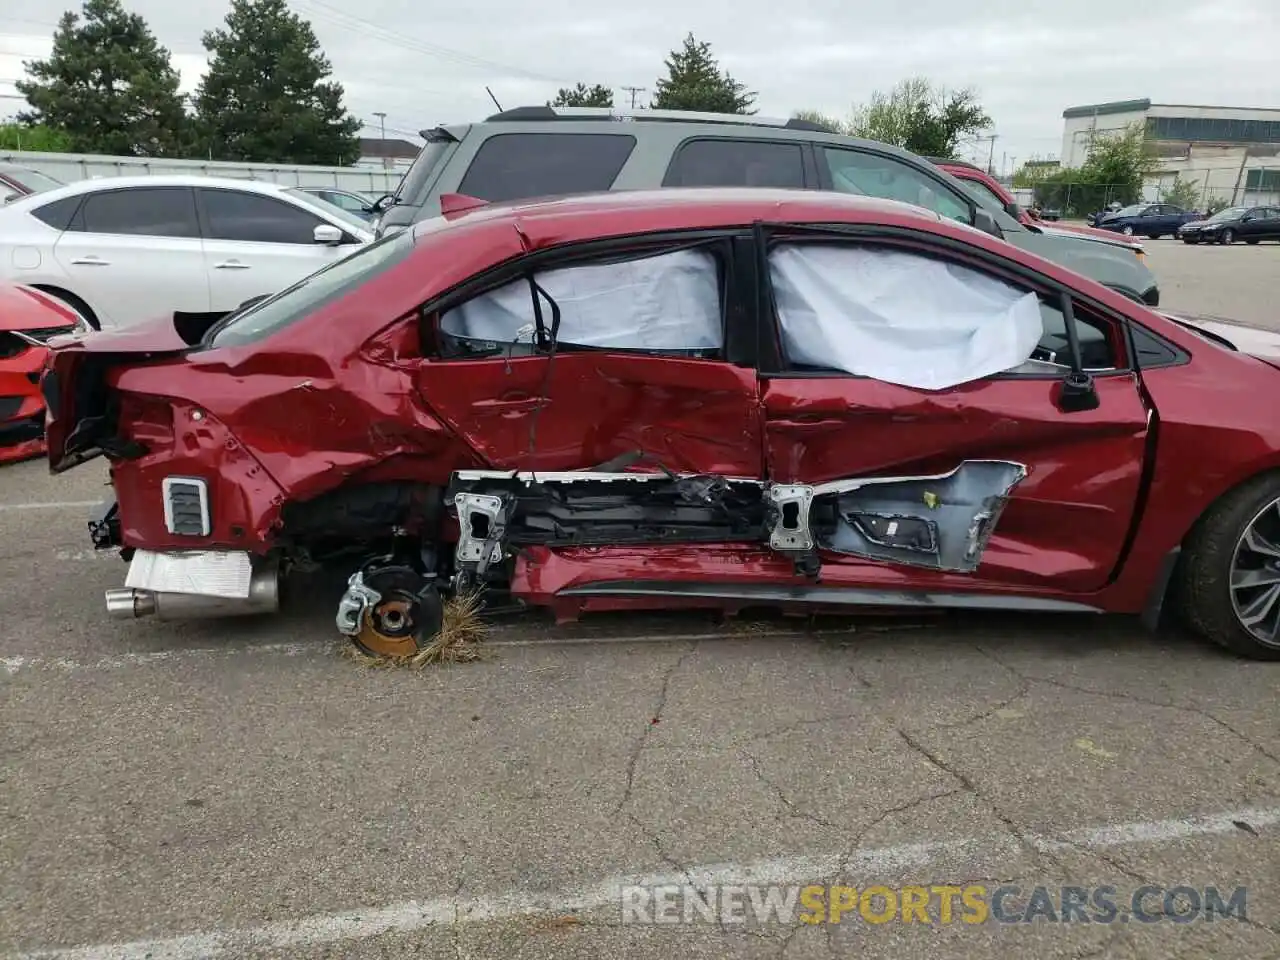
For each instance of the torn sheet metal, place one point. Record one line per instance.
(899, 317)
(666, 302)
(942, 522)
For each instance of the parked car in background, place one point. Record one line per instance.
(1153, 220)
(28, 318)
(123, 249)
(18, 181)
(354, 203)
(1092, 218)
(541, 151)
(646, 399)
(977, 179)
(1250, 224)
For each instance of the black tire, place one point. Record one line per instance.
(1127, 231)
(72, 301)
(1251, 241)
(1155, 236)
(1190, 240)
(1228, 237)
(1202, 582)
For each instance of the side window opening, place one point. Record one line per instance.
(918, 321)
(668, 303)
(518, 166)
(875, 175)
(722, 162)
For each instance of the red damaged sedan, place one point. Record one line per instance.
(28, 318)
(685, 398)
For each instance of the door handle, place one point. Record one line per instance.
(91, 262)
(231, 265)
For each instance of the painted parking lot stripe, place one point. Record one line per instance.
(51, 505)
(19, 663)
(417, 915)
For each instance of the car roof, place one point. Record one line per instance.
(157, 180)
(757, 202)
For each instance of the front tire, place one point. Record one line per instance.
(1228, 583)
(1228, 237)
(1128, 231)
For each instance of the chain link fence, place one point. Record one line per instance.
(1205, 190)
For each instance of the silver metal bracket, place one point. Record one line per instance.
(482, 525)
(789, 531)
(354, 603)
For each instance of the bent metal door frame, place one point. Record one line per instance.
(581, 408)
(1065, 525)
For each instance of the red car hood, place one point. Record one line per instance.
(1254, 341)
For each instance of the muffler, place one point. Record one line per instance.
(129, 603)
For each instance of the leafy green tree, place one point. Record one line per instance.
(108, 86)
(1182, 193)
(694, 81)
(37, 138)
(919, 117)
(597, 95)
(1114, 170)
(266, 96)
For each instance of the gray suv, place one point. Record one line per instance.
(531, 152)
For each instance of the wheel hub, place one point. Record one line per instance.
(1255, 576)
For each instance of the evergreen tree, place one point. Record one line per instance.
(108, 86)
(694, 81)
(597, 95)
(266, 96)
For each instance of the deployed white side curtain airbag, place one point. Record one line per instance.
(899, 317)
(665, 302)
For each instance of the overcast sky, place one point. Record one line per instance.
(425, 64)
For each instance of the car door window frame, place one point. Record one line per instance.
(772, 352)
(825, 181)
(736, 282)
(207, 229)
(77, 222)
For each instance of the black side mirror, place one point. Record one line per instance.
(984, 221)
(382, 203)
(1012, 209)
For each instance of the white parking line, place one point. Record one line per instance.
(19, 663)
(414, 916)
(51, 505)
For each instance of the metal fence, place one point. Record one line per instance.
(70, 167)
(1212, 188)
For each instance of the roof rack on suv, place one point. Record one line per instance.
(688, 116)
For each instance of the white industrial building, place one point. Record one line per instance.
(1232, 153)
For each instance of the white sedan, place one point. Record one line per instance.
(119, 250)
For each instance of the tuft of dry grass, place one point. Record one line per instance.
(462, 633)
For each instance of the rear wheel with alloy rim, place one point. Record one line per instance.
(1229, 579)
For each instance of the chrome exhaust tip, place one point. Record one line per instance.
(130, 603)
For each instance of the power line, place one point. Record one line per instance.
(343, 19)
(633, 91)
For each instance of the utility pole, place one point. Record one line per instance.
(633, 91)
(991, 156)
(382, 117)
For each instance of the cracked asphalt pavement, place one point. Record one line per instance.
(241, 789)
